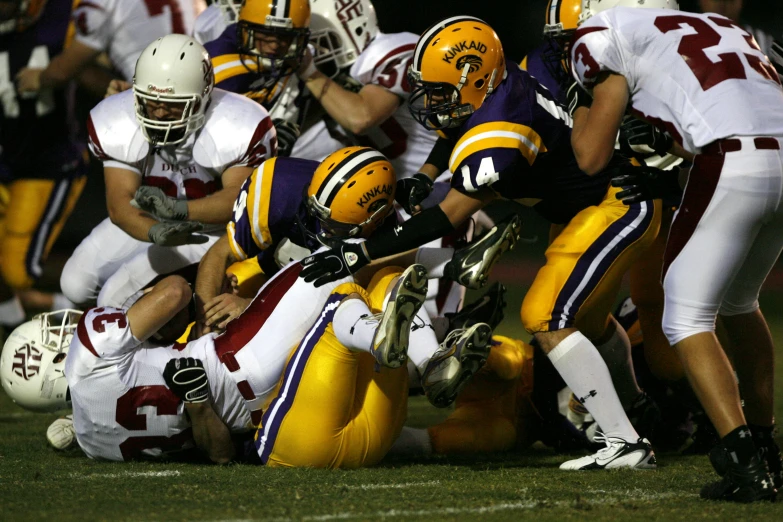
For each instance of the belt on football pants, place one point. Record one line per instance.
(733, 145)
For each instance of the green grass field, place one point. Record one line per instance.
(39, 483)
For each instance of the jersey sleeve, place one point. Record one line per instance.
(106, 332)
(386, 62)
(249, 230)
(92, 19)
(595, 49)
(114, 136)
(487, 150)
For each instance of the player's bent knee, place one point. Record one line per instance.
(728, 309)
(379, 284)
(76, 285)
(681, 321)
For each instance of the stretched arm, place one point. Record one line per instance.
(219, 207)
(210, 433)
(62, 69)
(121, 186)
(595, 129)
(158, 306)
(209, 280)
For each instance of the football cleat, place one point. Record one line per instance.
(618, 453)
(470, 265)
(645, 415)
(739, 483)
(390, 342)
(486, 309)
(61, 434)
(460, 356)
(769, 451)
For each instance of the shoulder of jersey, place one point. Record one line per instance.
(115, 130)
(226, 43)
(382, 50)
(228, 110)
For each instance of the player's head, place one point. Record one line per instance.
(591, 7)
(352, 192)
(230, 9)
(562, 19)
(32, 364)
(457, 63)
(340, 30)
(172, 86)
(274, 34)
(18, 15)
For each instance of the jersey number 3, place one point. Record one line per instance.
(729, 65)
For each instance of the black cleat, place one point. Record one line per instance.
(486, 309)
(744, 484)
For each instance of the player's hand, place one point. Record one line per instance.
(287, 134)
(116, 86)
(776, 56)
(224, 308)
(412, 191)
(176, 234)
(577, 97)
(646, 183)
(187, 379)
(638, 136)
(28, 81)
(307, 66)
(341, 261)
(154, 201)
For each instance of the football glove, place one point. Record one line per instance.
(287, 134)
(646, 183)
(412, 191)
(176, 233)
(187, 379)
(577, 97)
(330, 265)
(638, 136)
(155, 202)
(776, 56)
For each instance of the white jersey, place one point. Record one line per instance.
(236, 132)
(209, 25)
(681, 68)
(400, 138)
(124, 28)
(122, 409)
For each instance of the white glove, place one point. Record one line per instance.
(61, 434)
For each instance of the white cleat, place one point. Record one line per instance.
(618, 453)
(390, 343)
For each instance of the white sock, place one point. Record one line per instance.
(412, 441)
(60, 302)
(616, 353)
(434, 260)
(581, 367)
(12, 311)
(352, 327)
(422, 344)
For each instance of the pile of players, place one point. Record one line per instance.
(307, 275)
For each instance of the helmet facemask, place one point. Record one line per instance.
(186, 116)
(276, 48)
(556, 58)
(331, 54)
(332, 229)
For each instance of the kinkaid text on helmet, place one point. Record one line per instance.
(462, 47)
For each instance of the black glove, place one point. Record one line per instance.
(187, 379)
(287, 134)
(646, 183)
(776, 56)
(638, 136)
(340, 261)
(176, 233)
(577, 97)
(154, 201)
(412, 191)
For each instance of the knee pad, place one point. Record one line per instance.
(118, 289)
(77, 285)
(682, 320)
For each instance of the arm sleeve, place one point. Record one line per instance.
(418, 230)
(93, 24)
(595, 50)
(439, 155)
(106, 332)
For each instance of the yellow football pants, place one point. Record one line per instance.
(35, 214)
(494, 411)
(331, 408)
(585, 264)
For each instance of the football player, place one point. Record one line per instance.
(512, 139)
(725, 236)
(42, 164)
(258, 56)
(213, 20)
(166, 144)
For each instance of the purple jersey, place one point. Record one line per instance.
(37, 134)
(536, 64)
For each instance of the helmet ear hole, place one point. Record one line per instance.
(478, 84)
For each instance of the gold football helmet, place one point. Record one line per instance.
(562, 19)
(352, 192)
(457, 63)
(274, 34)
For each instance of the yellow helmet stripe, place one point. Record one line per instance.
(497, 135)
(429, 34)
(258, 195)
(344, 171)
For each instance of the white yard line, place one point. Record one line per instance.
(391, 486)
(129, 474)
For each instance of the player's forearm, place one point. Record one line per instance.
(210, 433)
(95, 79)
(66, 66)
(593, 147)
(132, 221)
(211, 273)
(216, 208)
(346, 107)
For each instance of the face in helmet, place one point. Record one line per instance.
(32, 365)
(562, 19)
(18, 15)
(457, 63)
(339, 31)
(273, 35)
(172, 87)
(351, 193)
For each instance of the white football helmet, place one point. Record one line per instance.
(174, 70)
(33, 361)
(591, 7)
(230, 9)
(340, 30)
